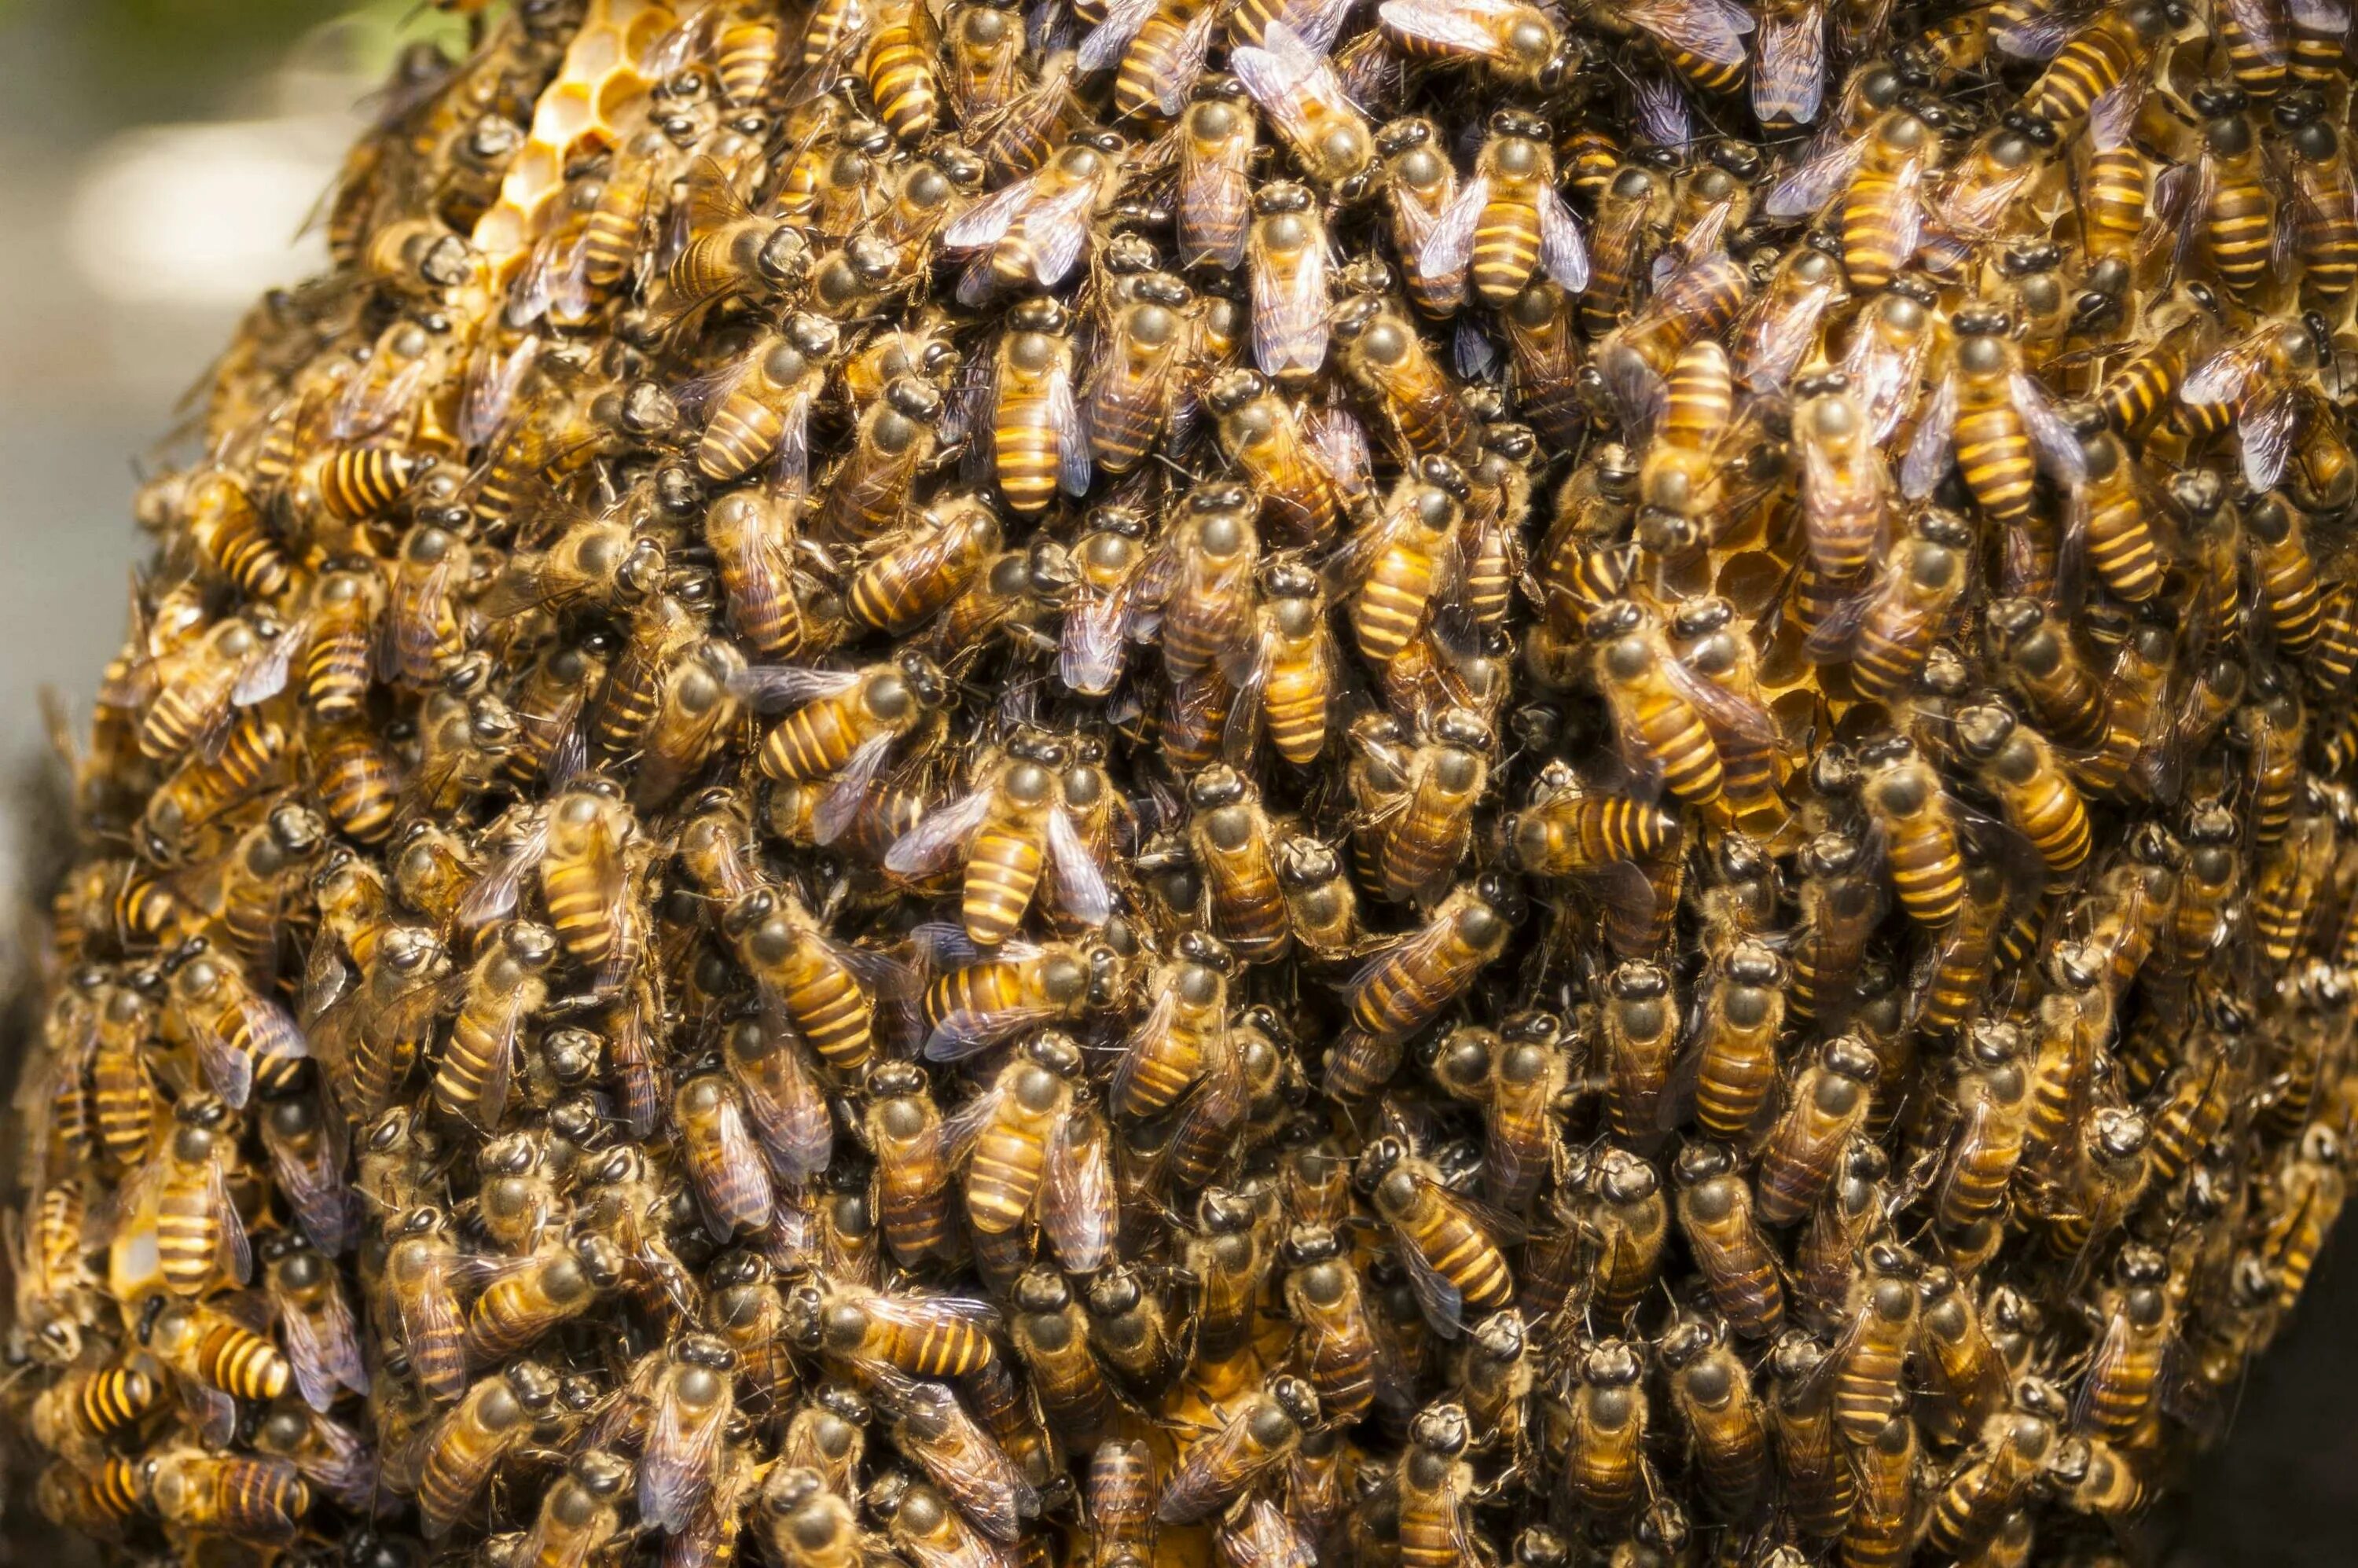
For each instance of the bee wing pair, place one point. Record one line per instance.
(788, 1106)
(322, 1346)
(1886, 380)
(1290, 307)
(229, 1071)
(325, 1207)
(675, 1469)
(1092, 645)
(1714, 30)
(1054, 212)
(2267, 411)
(1472, 29)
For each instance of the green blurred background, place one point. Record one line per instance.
(157, 158)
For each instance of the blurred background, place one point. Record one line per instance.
(158, 159)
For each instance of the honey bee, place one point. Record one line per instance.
(1408, 984)
(1038, 442)
(1381, 351)
(1517, 44)
(843, 726)
(1453, 1263)
(897, 435)
(1031, 234)
(1299, 476)
(420, 1284)
(1608, 1412)
(1134, 386)
(1289, 78)
(1405, 568)
(579, 1515)
(915, 576)
(1507, 225)
(2250, 386)
(496, 1414)
(731, 252)
(2013, 1448)
(1261, 1436)
(1026, 1147)
(261, 1500)
(1829, 1100)
(686, 1386)
(2022, 771)
(1011, 829)
(77, 1415)
(825, 989)
(1715, 1214)
(1517, 1074)
(973, 1472)
(1726, 1429)
(1216, 139)
(1886, 630)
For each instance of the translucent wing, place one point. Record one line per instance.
(1314, 22)
(939, 838)
(1059, 229)
(1450, 246)
(790, 466)
(836, 809)
(1726, 711)
(1080, 881)
(1886, 379)
(772, 688)
(2263, 27)
(430, 1317)
(1142, 1042)
(228, 1070)
(1820, 177)
(1091, 645)
(1443, 1304)
(1080, 1213)
(1177, 76)
(1104, 47)
(368, 406)
(492, 379)
(265, 677)
(2052, 440)
(1457, 28)
(1072, 464)
(2266, 430)
(1561, 252)
(988, 220)
(1661, 110)
(231, 1252)
(788, 1110)
(965, 1032)
(324, 1353)
(315, 1188)
(1340, 442)
(1929, 452)
(1274, 71)
(493, 896)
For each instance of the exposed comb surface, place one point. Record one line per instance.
(1410, 784)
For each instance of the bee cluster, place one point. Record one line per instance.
(1279, 781)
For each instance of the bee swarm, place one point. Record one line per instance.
(1434, 782)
